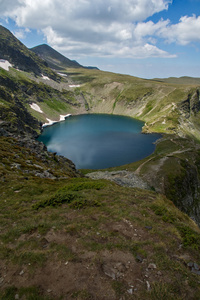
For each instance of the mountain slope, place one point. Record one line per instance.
(21, 57)
(54, 59)
(18, 92)
(66, 236)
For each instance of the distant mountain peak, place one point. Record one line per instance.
(54, 59)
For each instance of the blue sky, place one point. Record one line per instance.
(144, 38)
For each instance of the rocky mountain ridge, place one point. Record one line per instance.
(54, 59)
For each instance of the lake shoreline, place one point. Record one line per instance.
(99, 141)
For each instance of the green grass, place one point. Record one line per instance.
(91, 229)
(82, 295)
(30, 293)
(68, 194)
(190, 237)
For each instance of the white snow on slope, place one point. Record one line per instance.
(5, 64)
(36, 107)
(45, 77)
(74, 85)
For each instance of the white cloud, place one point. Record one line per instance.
(102, 27)
(143, 51)
(186, 31)
(84, 26)
(21, 33)
(149, 28)
(52, 37)
(7, 6)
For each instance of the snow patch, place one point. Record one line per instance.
(51, 122)
(61, 74)
(4, 64)
(45, 77)
(74, 85)
(36, 107)
(62, 117)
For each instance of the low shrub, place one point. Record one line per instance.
(69, 194)
(190, 237)
(86, 185)
(162, 211)
(83, 203)
(58, 199)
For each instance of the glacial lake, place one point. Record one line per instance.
(97, 141)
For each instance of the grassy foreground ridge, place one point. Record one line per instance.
(76, 238)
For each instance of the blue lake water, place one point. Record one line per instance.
(97, 141)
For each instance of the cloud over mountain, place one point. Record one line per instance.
(104, 28)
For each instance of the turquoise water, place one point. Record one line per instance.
(97, 141)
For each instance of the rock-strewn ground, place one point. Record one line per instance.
(123, 178)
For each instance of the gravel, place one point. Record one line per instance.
(124, 178)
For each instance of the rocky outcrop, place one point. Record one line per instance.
(15, 119)
(123, 178)
(176, 178)
(182, 186)
(176, 174)
(190, 106)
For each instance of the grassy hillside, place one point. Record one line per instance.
(18, 90)
(180, 80)
(75, 238)
(164, 107)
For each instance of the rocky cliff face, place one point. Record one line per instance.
(191, 106)
(182, 186)
(13, 114)
(189, 111)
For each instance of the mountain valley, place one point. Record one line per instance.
(65, 235)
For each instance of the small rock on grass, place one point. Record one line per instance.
(21, 273)
(194, 267)
(130, 291)
(139, 258)
(148, 286)
(1, 280)
(152, 266)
